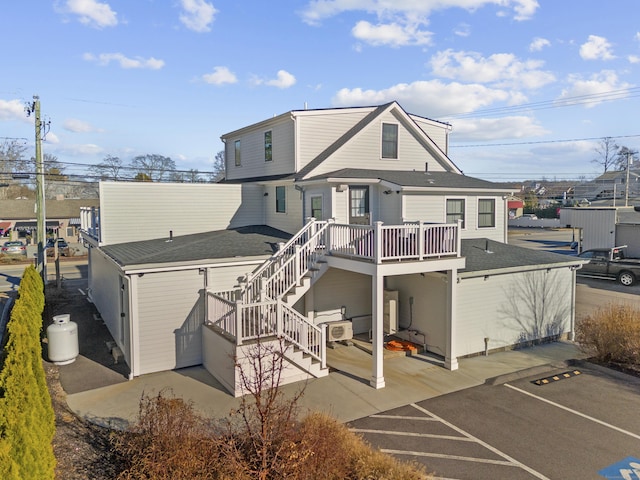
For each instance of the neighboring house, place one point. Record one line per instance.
(18, 217)
(609, 185)
(605, 227)
(330, 222)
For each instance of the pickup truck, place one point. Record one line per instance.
(610, 263)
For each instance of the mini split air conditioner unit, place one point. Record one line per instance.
(341, 330)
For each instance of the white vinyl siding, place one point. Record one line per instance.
(438, 132)
(170, 318)
(142, 211)
(429, 310)
(253, 151)
(290, 221)
(389, 206)
(363, 151)
(104, 292)
(485, 307)
(432, 208)
(316, 132)
(337, 288)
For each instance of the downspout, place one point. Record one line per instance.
(304, 202)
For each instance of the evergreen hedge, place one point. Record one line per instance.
(27, 419)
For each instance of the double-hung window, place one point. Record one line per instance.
(237, 152)
(486, 212)
(281, 198)
(389, 140)
(455, 210)
(268, 147)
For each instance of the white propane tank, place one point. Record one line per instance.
(62, 336)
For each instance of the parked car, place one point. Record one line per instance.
(14, 248)
(63, 247)
(610, 263)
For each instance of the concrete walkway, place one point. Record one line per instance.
(345, 393)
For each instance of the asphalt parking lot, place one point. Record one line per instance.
(583, 423)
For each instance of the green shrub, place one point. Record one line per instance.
(27, 419)
(611, 334)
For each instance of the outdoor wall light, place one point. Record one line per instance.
(266, 194)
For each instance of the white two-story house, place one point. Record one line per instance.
(330, 223)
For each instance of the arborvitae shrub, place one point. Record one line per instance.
(27, 419)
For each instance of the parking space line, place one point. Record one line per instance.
(411, 434)
(575, 412)
(484, 444)
(504, 463)
(403, 417)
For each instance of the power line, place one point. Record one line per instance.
(540, 142)
(546, 104)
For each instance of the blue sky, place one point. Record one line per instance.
(528, 85)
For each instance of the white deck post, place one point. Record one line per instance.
(450, 359)
(377, 289)
(377, 242)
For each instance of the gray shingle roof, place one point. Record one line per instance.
(258, 240)
(485, 255)
(414, 178)
(24, 209)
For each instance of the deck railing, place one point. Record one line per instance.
(382, 243)
(245, 322)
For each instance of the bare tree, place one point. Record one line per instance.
(218, 171)
(624, 155)
(109, 169)
(607, 151)
(154, 167)
(12, 157)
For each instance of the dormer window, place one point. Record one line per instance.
(389, 140)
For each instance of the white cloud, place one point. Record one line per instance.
(283, 80)
(12, 110)
(600, 87)
(198, 15)
(78, 150)
(105, 59)
(633, 59)
(463, 30)
(220, 76)
(431, 98)
(596, 48)
(538, 44)
(392, 34)
(78, 126)
(318, 10)
(503, 69)
(92, 13)
(492, 129)
(51, 138)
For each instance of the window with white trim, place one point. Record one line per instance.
(455, 210)
(389, 140)
(316, 207)
(281, 197)
(486, 212)
(268, 146)
(236, 145)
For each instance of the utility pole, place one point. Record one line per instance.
(41, 232)
(626, 186)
